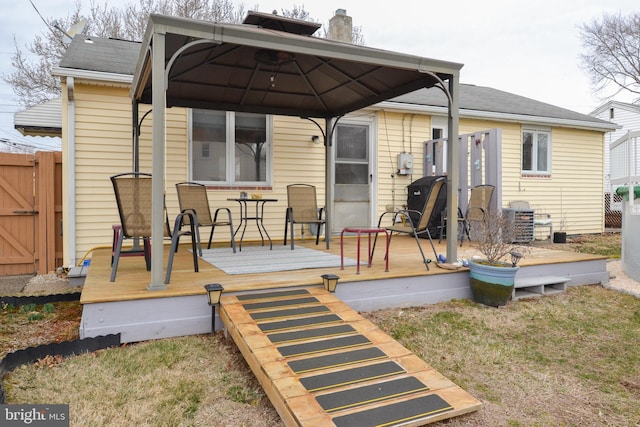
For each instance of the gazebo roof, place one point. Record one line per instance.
(256, 69)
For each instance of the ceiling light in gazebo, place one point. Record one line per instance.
(273, 57)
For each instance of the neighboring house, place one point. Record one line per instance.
(40, 120)
(627, 116)
(549, 156)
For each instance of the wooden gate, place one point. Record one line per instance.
(30, 213)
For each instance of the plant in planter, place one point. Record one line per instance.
(492, 279)
(561, 235)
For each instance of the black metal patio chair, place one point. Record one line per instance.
(401, 221)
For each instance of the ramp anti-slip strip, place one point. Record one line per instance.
(296, 323)
(280, 303)
(307, 334)
(324, 345)
(401, 412)
(351, 376)
(370, 394)
(276, 294)
(335, 360)
(263, 315)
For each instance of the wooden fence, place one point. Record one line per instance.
(30, 213)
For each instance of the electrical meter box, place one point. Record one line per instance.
(405, 164)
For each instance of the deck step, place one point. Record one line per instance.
(332, 367)
(528, 287)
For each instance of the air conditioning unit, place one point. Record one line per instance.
(523, 224)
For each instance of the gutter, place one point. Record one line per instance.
(503, 117)
(92, 75)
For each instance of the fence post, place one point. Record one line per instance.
(45, 206)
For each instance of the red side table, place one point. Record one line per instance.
(359, 231)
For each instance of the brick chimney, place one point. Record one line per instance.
(341, 27)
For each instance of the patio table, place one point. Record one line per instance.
(243, 202)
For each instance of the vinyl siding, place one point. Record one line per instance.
(573, 191)
(399, 133)
(103, 148)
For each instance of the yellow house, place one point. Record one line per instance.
(551, 157)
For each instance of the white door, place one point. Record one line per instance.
(353, 174)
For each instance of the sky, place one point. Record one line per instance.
(525, 48)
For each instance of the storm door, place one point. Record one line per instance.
(353, 174)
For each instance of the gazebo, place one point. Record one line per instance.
(272, 65)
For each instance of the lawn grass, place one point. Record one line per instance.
(607, 244)
(196, 380)
(568, 359)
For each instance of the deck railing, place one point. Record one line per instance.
(625, 163)
(625, 159)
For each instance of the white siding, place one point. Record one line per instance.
(625, 115)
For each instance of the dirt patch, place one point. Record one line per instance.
(31, 325)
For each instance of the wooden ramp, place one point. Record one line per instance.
(322, 364)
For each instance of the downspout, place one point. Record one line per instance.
(69, 226)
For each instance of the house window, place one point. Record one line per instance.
(536, 152)
(230, 148)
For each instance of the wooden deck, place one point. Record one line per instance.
(304, 375)
(321, 363)
(405, 261)
(132, 278)
(128, 307)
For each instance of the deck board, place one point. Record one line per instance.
(341, 378)
(132, 279)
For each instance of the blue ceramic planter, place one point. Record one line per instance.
(491, 285)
